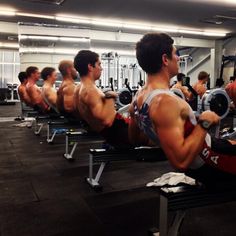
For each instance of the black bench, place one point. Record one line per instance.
(77, 137)
(103, 156)
(187, 197)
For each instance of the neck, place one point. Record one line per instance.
(68, 78)
(88, 78)
(159, 80)
(49, 82)
(31, 81)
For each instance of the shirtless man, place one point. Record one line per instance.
(49, 93)
(96, 108)
(65, 93)
(24, 97)
(179, 85)
(34, 91)
(200, 86)
(231, 90)
(168, 120)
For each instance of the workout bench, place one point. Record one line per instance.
(76, 137)
(187, 197)
(103, 156)
(60, 127)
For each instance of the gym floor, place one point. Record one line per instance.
(41, 193)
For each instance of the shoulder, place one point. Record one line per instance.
(164, 102)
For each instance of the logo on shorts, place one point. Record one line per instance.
(206, 153)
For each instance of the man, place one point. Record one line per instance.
(34, 91)
(95, 107)
(49, 93)
(65, 93)
(231, 90)
(200, 86)
(179, 85)
(24, 97)
(168, 120)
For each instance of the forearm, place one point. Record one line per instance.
(191, 147)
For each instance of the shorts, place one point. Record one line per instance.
(221, 154)
(117, 134)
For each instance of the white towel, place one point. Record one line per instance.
(172, 178)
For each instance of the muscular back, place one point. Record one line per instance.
(97, 111)
(65, 96)
(34, 93)
(24, 97)
(50, 95)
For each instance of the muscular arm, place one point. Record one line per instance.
(101, 108)
(166, 117)
(68, 98)
(24, 97)
(51, 97)
(36, 98)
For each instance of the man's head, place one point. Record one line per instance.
(180, 77)
(156, 52)
(67, 69)
(203, 76)
(49, 73)
(22, 76)
(33, 73)
(87, 62)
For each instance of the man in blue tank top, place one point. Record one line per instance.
(167, 120)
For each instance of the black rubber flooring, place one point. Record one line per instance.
(41, 193)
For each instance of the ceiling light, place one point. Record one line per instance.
(34, 15)
(54, 38)
(137, 27)
(9, 45)
(37, 37)
(6, 12)
(72, 19)
(106, 23)
(68, 39)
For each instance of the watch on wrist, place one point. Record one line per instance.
(205, 124)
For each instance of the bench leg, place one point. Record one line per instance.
(50, 139)
(37, 131)
(173, 230)
(94, 183)
(163, 216)
(68, 155)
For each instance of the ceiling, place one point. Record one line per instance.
(184, 13)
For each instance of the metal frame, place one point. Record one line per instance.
(173, 229)
(50, 139)
(68, 155)
(94, 183)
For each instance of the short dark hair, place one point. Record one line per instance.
(83, 59)
(30, 70)
(180, 76)
(46, 72)
(203, 75)
(22, 76)
(149, 51)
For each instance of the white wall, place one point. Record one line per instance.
(229, 50)
(42, 60)
(9, 67)
(197, 54)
